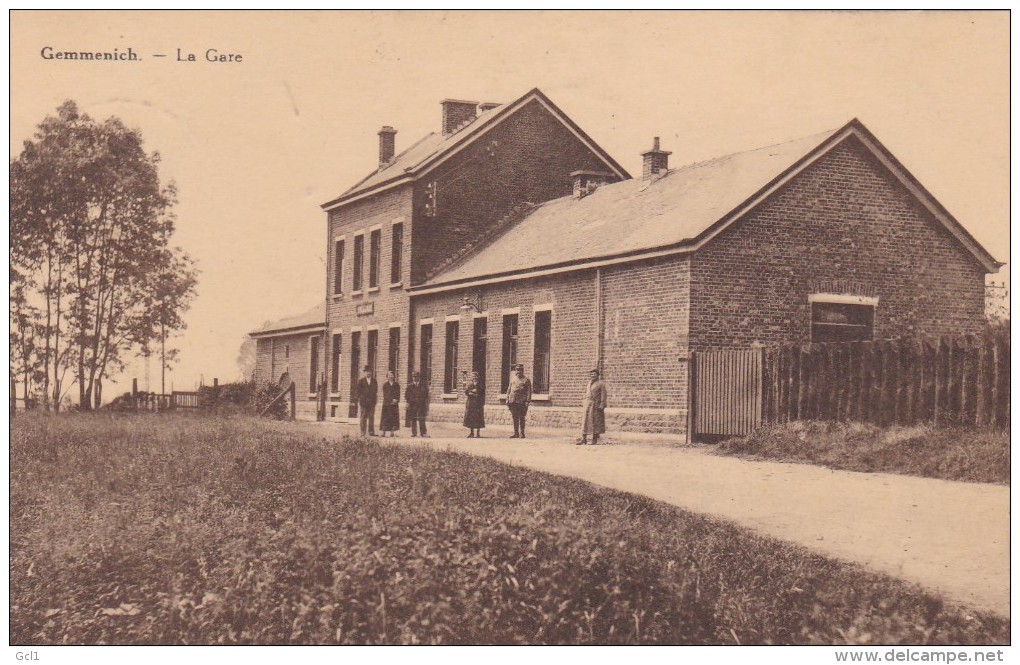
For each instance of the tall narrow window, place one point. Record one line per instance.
(334, 363)
(359, 262)
(355, 361)
(313, 363)
(394, 364)
(373, 259)
(338, 266)
(425, 357)
(509, 349)
(480, 347)
(450, 373)
(397, 253)
(373, 350)
(543, 350)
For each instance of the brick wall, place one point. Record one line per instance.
(843, 220)
(289, 354)
(644, 344)
(573, 332)
(389, 303)
(526, 158)
(645, 333)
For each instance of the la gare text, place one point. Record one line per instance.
(181, 55)
(211, 55)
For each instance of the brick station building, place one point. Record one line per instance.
(510, 236)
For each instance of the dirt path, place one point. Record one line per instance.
(950, 537)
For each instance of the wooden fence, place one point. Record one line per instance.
(963, 380)
(178, 399)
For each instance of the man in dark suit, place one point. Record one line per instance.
(368, 395)
(417, 396)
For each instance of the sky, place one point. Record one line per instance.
(255, 147)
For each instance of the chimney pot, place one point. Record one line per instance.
(655, 161)
(387, 145)
(456, 113)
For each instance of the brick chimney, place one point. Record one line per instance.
(656, 162)
(488, 106)
(456, 113)
(586, 182)
(387, 145)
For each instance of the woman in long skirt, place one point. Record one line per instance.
(474, 410)
(389, 420)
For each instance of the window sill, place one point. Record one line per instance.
(373, 289)
(450, 395)
(338, 296)
(397, 285)
(312, 395)
(357, 292)
(334, 395)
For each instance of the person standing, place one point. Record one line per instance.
(518, 397)
(368, 395)
(389, 419)
(417, 398)
(594, 416)
(474, 410)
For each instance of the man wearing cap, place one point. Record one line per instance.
(417, 397)
(518, 397)
(594, 416)
(368, 395)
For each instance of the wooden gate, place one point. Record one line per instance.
(180, 399)
(726, 396)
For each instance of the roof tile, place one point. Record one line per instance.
(631, 215)
(316, 316)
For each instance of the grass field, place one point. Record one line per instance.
(953, 453)
(156, 530)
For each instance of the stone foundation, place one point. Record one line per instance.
(649, 421)
(304, 409)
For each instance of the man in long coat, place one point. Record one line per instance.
(417, 397)
(518, 397)
(368, 395)
(595, 399)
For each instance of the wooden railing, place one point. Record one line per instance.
(178, 399)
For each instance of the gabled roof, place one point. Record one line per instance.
(677, 213)
(435, 148)
(313, 319)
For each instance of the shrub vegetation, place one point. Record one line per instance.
(242, 397)
(950, 453)
(163, 530)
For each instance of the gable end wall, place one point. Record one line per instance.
(843, 218)
(526, 158)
